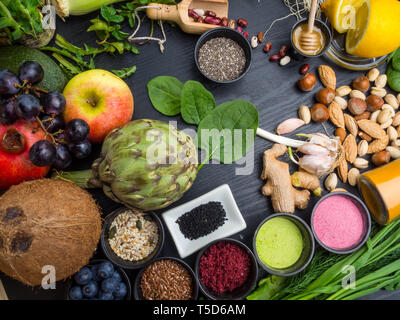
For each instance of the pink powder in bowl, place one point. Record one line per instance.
(339, 222)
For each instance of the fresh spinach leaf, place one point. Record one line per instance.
(196, 102)
(393, 78)
(110, 14)
(396, 60)
(124, 73)
(228, 132)
(165, 94)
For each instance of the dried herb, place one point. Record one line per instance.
(112, 232)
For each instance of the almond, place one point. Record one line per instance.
(362, 116)
(343, 91)
(378, 145)
(371, 128)
(343, 170)
(350, 148)
(336, 114)
(364, 136)
(362, 148)
(327, 76)
(353, 176)
(351, 124)
(289, 125)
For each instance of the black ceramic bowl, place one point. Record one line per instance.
(308, 247)
(297, 54)
(126, 264)
(366, 217)
(137, 290)
(224, 33)
(239, 293)
(92, 262)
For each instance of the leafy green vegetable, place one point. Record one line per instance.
(20, 18)
(124, 73)
(393, 78)
(228, 132)
(165, 94)
(196, 102)
(268, 287)
(394, 59)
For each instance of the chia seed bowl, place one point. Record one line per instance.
(239, 293)
(226, 33)
(124, 263)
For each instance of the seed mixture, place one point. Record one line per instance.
(224, 267)
(202, 220)
(166, 280)
(222, 59)
(133, 235)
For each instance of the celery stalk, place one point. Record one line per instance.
(66, 8)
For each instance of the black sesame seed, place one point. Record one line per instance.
(202, 220)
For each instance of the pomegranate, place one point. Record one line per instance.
(15, 142)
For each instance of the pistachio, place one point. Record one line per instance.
(362, 148)
(390, 108)
(343, 91)
(381, 81)
(396, 143)
(384, 116)
(353, 176)
(387, 124)
(373, 74)
(392, 101)
(396, 119)
(305, 114)
(375, 115)
(357, 94)
(331, 181)
(341, 101)
(380, 92)
(394, 152)
(392, 133)
(360, 163)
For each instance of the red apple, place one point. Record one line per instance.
(100, 98)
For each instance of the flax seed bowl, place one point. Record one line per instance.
(226, 270)
(131, 239)
(166, 278)
(223, 55)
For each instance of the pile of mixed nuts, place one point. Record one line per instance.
(365, 115)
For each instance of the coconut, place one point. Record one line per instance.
(47, 222)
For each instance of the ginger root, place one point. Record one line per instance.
(285, 198)
(305, 180)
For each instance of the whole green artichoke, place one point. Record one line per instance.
(146, 164)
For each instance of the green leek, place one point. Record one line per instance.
(67, 8)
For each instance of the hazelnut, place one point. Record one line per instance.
(319, 113)
(325, 96)
(381, 158)
(374, 103)
(341, 133)
(308, 82)
(361, 84)
(357, 106)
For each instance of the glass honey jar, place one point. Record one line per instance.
(380, 189)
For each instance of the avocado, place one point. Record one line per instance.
(12, 57)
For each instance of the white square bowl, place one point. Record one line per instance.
(232, 225)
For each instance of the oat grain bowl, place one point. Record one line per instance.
(131, 238)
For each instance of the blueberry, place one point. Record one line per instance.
(106, 269)
(121, 291)
(75, 293)
(83, 276)
(105, 295)
(95, 273)
(117, 276)
(109, 285)
(91, 289)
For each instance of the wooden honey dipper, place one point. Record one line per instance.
(309, 41)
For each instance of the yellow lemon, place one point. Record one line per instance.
(341, 13)
(377, 29)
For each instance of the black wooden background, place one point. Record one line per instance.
(270, 87)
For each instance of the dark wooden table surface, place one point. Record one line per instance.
(268, 86)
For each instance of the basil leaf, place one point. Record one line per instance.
(228, 132)
(393, 78)
(165, 94)
(110, 14)
(396, 60)
(99, 25)
(196, 102)
(125, 72)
